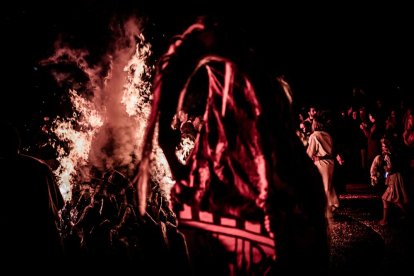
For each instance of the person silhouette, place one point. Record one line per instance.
(244, 160)
(30, 202)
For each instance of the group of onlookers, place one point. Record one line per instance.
(368, 144)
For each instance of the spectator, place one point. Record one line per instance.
(30, 204)
(388, 167)
(247, 144)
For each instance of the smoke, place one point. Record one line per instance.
(116, 142)
(110, 101)
(113, 89)
(127, 83)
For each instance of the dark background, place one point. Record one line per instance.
(324, 51)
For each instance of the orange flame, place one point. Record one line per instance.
(115, 113)
(77, 132)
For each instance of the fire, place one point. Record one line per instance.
(77, 133)
(110, 112)
(184, 149)
(136, 94)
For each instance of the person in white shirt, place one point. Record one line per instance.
(320, 149)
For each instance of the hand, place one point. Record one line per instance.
(374, 180)
(340, 160)
(315, 158)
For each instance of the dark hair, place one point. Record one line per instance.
(322, 120)
(387, 141)
(9, 140)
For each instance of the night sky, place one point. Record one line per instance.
(323, 51)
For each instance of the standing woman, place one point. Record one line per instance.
(395, 193)
(320, 149)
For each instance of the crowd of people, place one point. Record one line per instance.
(228, 132)
(366, 143)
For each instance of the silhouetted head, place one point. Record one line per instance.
(320, 121)
(386, 145)
(9, 140)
